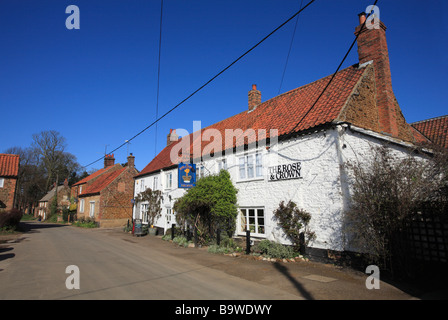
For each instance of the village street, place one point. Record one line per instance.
(117, 265)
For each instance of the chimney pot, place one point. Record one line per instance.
(171, 137)
(109, 160)
(131, 161)
(362, 18)
(254, 97)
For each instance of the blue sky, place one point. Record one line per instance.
(97, 85)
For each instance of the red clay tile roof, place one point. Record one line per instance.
(282, 112)
(9, 165)
(102, 182)
(435, 129)
(92, 176)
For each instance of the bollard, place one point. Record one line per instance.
(195, 230)
(188, 234)
(247, 241)
(172, 231)
(218, 237)
(302, 248)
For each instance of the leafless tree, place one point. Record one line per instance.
(385, 190)
(50, 146)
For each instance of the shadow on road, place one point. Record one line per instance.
(34, 226)
(3, 255)
(283, 270)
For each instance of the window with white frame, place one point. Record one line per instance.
(252, 219)
(155, 183)
(2, 182)
(142, 185)
(169, 180)
(250, 166)
(81, 205)
(144, 212)
(169, 217)
(92, 209)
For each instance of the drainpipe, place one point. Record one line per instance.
(343, 177)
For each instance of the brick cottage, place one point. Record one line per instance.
(9, 172)
(105, 196)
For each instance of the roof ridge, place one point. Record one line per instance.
(280, 112)
(430, 119)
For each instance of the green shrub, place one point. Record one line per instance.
(181, 241)
(166, 237)
(85, 222)
(214, 248)
(273, 249)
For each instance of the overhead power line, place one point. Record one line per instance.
(289, 51)
(334, 74)
(208, 82)
(158, 76)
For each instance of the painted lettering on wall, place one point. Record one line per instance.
(285, 172)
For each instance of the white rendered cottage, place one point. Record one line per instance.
(292, 148)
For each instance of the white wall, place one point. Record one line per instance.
(322, 189)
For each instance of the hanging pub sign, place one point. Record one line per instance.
(187, 175)
(285, 172)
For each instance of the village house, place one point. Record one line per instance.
(9, 172)
(293, 148)
(62, 193)
(105, 196)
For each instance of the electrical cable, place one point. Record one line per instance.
(206, 83)
(158, 77)
(333, 76)
(289, 51)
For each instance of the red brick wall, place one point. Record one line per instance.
(7, 193)
(360, 108)
(116, 197)
(372, 45)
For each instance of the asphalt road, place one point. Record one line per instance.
(34, 267)
(114, 265)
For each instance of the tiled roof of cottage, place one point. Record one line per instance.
(102, 182)
(282, 112)
(9, 165)
(93, 175)
(435, 129)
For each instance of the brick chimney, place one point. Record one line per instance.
(372, 46)
(131, 161)
(109, 160)
(254, 97)
(171, 137)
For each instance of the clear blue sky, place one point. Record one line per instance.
(97, 85)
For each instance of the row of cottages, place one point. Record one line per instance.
(9, 173)
(62, 194)
(293, 149)
(106, 195)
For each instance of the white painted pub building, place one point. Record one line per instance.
(293, 148)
